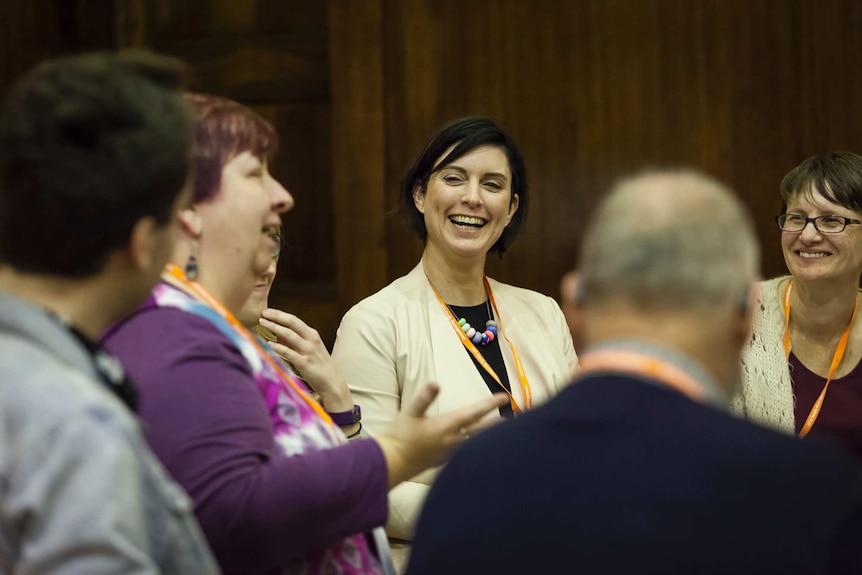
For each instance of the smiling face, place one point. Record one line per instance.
(235, 244)
(812, 255)
(468, 203)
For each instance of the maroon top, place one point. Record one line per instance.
(840, 419)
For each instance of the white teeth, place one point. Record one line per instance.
(808, 255)
(468, 220)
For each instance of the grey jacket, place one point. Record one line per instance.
(80, 492)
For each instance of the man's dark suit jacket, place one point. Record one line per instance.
(621, 475)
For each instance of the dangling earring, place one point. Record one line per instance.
(192, 264)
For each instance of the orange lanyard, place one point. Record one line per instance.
(638, 363)
(525, 384)
(836, 359)
(177, 278)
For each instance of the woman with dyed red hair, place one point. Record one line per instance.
(276, 485)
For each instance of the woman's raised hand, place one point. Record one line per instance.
(300, 344)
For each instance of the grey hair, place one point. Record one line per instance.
(671, 239)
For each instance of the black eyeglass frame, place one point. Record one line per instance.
(781, 218)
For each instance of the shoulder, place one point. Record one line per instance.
(768, 296)
(403, 290)
(403, 296)
(767, 323)
(38, 390)
(163, 347)
(543, 307)
(53, 412)
(157, 324)
(670, 427)
(150, 332)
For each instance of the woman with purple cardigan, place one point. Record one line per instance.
(277, 486)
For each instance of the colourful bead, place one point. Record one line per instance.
(479, 337)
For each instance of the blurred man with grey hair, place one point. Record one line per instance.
(637, 467)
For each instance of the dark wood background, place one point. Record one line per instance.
(591, 89)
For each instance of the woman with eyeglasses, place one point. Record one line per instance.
(277, 487)
(300, 345)
(800, 371)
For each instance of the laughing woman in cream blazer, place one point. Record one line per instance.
(466, 196)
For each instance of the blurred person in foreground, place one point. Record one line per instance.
(806, 339)
(95, 153)
(277, 486)
(637, 466)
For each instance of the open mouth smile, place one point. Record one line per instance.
(471, 222)
(811, 255)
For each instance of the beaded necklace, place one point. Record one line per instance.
(474, 351)
(474, 335)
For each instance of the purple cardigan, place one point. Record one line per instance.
(207, 422)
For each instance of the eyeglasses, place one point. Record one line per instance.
(823, 224)
(278, 240)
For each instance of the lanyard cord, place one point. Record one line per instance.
(836, 358)
(177, 278)
(639, 363)
(525, 384)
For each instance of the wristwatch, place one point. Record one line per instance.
(345, 418)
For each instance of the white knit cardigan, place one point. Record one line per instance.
(765, 393)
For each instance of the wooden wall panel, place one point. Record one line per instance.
(358, 147)
(272, 55)
(34, 30)
(743, 90)
(592, 89)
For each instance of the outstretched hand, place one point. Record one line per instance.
(414, 442)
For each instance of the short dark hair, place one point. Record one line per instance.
(90, 145)
(465, 134)
(836, 175)
(224, 130)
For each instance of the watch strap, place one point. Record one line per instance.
(345, 418)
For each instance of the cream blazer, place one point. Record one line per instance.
(393, 342)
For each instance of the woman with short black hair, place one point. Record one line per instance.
(465, 195)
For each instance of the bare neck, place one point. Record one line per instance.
(458, 281)
(89, 304)
(820, 310)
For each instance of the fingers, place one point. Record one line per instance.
(295, 334)
(289, 321)
(278, 316)
(283, 333)
(420, 402)
(284, 352)
(482, 425)
(469, 417)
